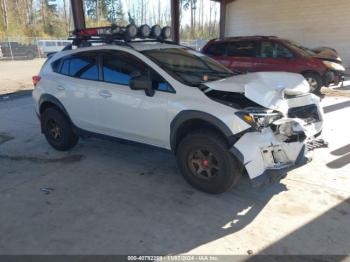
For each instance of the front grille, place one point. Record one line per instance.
(308, 113)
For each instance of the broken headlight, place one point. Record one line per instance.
(259, 119)
(334, 66)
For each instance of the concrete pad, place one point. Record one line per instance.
(114, 198)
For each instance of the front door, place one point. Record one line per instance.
(273, 56)
(131, 114)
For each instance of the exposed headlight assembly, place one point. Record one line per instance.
(289, 129)
(259, 119)
(334, 66)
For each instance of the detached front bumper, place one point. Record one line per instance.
(266, 158)
(277, 173)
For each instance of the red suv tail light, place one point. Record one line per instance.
(36, 80)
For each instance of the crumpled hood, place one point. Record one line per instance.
(327, 53)
(264, 88)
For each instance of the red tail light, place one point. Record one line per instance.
(36, 80)
(87, 32)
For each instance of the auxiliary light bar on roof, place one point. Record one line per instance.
(127, 33)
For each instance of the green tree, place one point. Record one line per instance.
(192, 5)
(115, 12)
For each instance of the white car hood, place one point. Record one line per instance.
(264, 88)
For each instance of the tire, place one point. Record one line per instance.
(58, 130)
(208, 150)
(30, 55)
(315, 82)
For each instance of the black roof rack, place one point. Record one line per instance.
(117, 35)
(89, 41)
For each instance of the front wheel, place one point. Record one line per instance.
(206, 163)
(315, 82)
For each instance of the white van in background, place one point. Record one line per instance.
(52, 46)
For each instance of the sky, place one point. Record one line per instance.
(165, 5)
(186, 14)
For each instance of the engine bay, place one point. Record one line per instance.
(235, 100)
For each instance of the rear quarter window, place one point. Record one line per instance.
(82, 66)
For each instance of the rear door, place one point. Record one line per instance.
(217, 51)
(75, 86)
(274, 56)
(241, 55)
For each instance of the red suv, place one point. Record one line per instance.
(269, 53)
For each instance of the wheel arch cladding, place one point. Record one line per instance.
(193, 120)
(48, 101)
(310, 71)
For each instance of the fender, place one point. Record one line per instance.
(51, 99)
(186, 115)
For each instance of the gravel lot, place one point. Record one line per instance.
(17, 75)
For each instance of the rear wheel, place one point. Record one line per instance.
(57, 130)
(315, 82)
(206, 163)
(30, 55)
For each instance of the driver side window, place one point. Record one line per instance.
(274, 50)
(120, 67)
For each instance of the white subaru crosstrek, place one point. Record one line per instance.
(219, 125)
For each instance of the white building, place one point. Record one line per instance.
(312, 23)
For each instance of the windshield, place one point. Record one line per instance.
(306, 51)
(188, 66)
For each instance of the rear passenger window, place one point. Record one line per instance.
(218, 49)
(82, 66)
(242, 48)
(55, 65)
(65, 67)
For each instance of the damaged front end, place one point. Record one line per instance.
(280, 127)
(273, 146)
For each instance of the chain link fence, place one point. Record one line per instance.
(21, 48)
(24, 48)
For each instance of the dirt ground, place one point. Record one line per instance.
(17, 75)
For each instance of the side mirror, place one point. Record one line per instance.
(141, 82)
